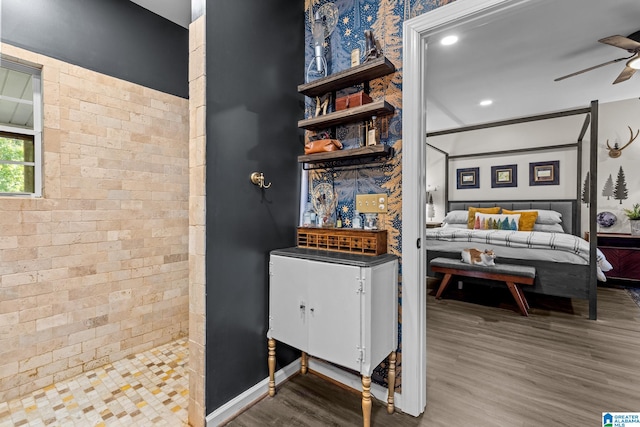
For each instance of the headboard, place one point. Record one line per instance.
(567, 208)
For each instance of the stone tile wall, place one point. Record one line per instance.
(97, 269)
(197, 221)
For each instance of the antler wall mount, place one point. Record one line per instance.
(616, 151)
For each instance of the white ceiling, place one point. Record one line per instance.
(178, 11)
(513, 58)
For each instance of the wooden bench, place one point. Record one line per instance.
(512, 275)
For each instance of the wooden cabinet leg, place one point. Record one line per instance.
(303, 363)
(272, 367)
(391, 382)
(366, 401)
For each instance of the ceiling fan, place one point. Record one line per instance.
(631, 44)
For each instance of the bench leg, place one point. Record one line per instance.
(519, 297)
(443, 285)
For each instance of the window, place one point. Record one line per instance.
(20, 130)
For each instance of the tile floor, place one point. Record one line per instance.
(146, 389)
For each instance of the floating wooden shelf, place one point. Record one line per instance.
(359, 74)
(376, 108)
(378, 150)
(364, 242)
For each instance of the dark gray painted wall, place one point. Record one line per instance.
(255, 60)
(113, 37)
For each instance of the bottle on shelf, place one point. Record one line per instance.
(357, 221)
(373, 133)
(339, 220)
(309, 217)
(370, 221)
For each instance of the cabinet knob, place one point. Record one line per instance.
(312, 310)
(302, 306)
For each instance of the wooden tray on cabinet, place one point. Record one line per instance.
(348, 240)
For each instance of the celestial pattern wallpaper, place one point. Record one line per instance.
(347, 21)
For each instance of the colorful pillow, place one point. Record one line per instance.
(548, 228)
(456, 217)
(496, 222)
(527, 218)
(471, 218)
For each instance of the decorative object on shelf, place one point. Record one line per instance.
(620, 191)
(352, 100)
(607, 191)
(371, 221)
(634, 218)
(372, 50)
(615, 151)
(356, 222)
(322, 145)
(323, 24)
(322, 104)
(355, 57)
(504, 176)
(373, 133)
(544, 173)
(309, 216)
(363, 242)
(586, 193)
(468, 178)
(324, 201)
(606, 219)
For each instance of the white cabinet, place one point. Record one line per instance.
(341, 308)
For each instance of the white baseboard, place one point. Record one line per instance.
(353, 381)
(238, 403)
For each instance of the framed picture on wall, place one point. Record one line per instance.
(504, 176)
(544, 173)
(468, 178)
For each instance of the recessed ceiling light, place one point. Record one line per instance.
(486, 102)
(449, 40)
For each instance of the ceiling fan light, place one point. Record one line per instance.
(449, 40)
(634, 62)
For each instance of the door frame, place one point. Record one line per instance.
(414, 113)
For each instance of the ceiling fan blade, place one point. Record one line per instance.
(625, 75)
(621, 42)
(591, 68)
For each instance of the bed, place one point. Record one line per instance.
(561, 257)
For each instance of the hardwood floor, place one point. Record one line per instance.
(489, 366)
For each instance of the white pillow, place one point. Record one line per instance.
(496, 222)
(457, 217)
(450, 225)
(545, 216)
(548, 228)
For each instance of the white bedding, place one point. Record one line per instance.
(553, 247)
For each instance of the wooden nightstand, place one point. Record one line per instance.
(434, 224)
(623, 252)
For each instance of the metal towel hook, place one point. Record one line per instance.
(258, 179)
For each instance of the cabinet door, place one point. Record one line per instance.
(629, 263)
(288, 301)
(335, 313)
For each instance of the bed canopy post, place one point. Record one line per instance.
(583, 132)
(593, 211)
